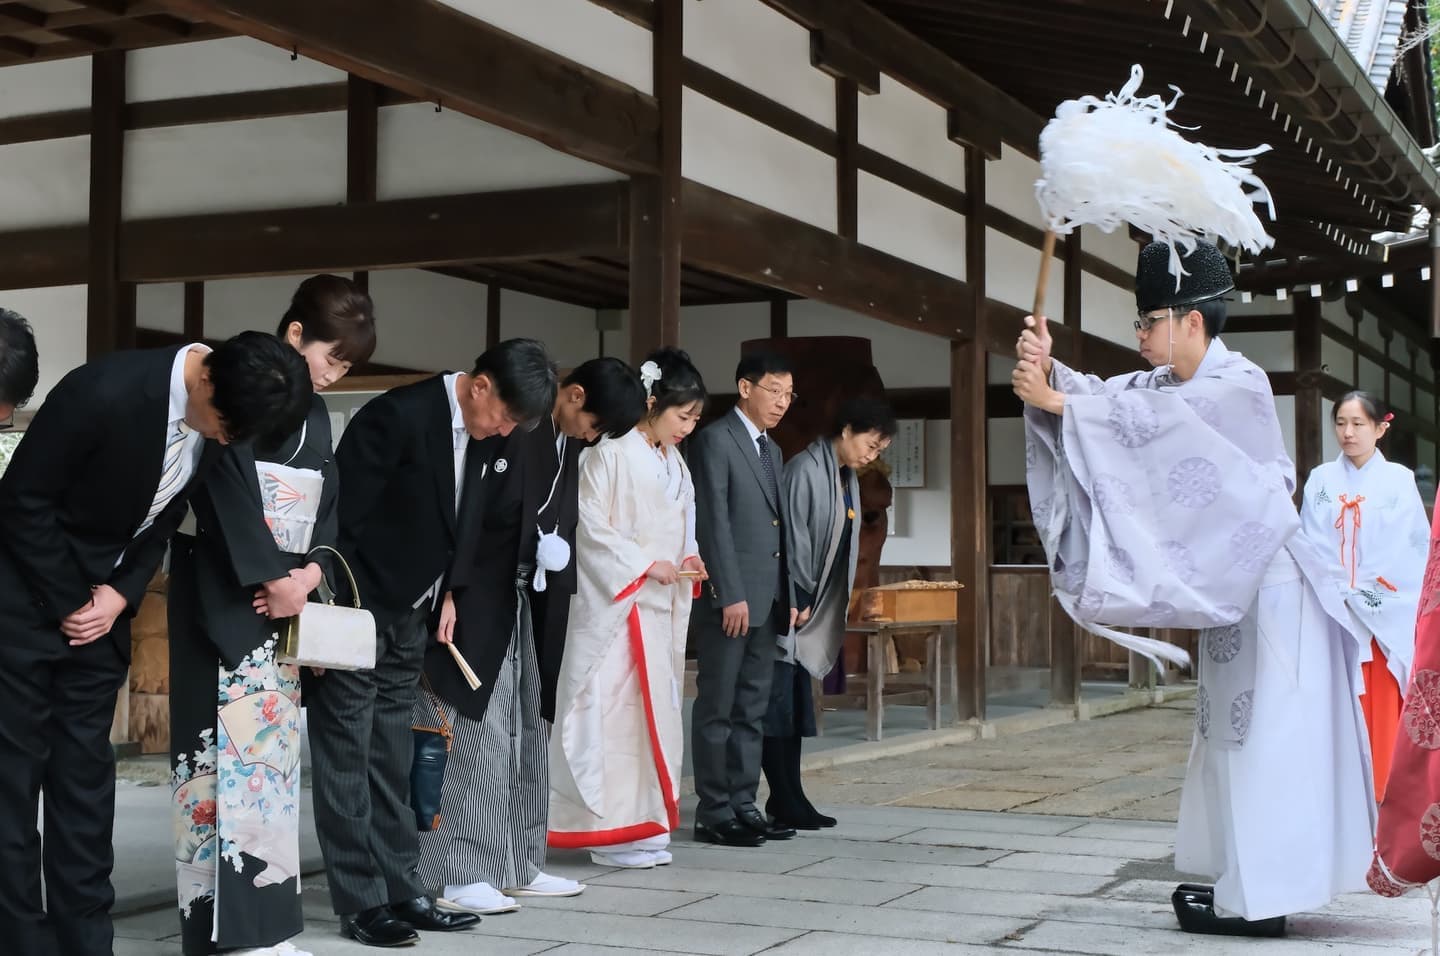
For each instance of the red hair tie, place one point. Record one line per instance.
(1389, 417)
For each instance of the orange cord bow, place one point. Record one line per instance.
(1346, 506)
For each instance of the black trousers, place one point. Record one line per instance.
(360, 752)
(57, 704)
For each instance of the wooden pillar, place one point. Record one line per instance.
(1308, 427)
(1065, 641)
(1386, 335)
(655, 212)
(969, 473)
(110, 304)
(194, 311)
(847, 149)
(362, 148)
(492, 315)
(779, 318)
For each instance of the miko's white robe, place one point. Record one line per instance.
(1166, 503)
(617, 742)
(1370, 525)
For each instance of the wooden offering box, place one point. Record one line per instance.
(911, 601)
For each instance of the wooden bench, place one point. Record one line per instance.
(933, 686)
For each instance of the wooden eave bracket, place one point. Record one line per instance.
(970, 128)
(834, 57)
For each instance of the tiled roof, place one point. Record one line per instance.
(1371, 30)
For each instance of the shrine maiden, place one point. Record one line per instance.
(1163, 500)
(617, 742)
(1366, 516)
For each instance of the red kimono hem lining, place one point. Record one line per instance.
(577, 839)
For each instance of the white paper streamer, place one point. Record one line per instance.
(1106, 162)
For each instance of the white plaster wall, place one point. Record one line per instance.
(1010, 184)
(161, 306)
(425, 153)
(1402, 395)
(218, 66)
(1425, 400)
(1333, 312)
(712, 335)
(58, 317)
(1107, 310)
(765, 50)
(1425, 452)
(906, 126)
(227, 167)
(1370, 331)
(568, 331)
(904, 358)
(577, 29)
(233, 306)
(1337, 359)
(1005, 442)
(1329, 446)
(903, 224)
(44, 87)
(1116, 248)
(998, 369)
(1285, 411)
(923, 514)
(735, 154)
(45, 183)
(1011, 269)
(1372, 377)
(1272, 351)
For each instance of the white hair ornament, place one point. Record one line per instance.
(649, 375)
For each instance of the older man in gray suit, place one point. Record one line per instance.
(740, 525)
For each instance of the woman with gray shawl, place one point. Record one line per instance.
(822, 497)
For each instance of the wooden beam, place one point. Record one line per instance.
(554, 221)
(492, 315)
(194, 312)
(39, 258)
(1308, 426)
(922, 67)
(638, 12)
(109, 324)
(779, 318)
(362, 148)
(834, 57)
(656, 201)
(847, 170)
(734, 237)
(969, 468)
(123, 35)
(435, 52)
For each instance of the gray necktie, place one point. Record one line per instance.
(768, 464)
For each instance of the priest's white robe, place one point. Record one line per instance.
(1370, 525)
(617, 742)
(1166, 503)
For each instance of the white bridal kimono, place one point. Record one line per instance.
(1164, 503)
(1370, 524)
(617, 742)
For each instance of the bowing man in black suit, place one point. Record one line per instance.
(91, 496)
(495, 805)
(19, 364)
(409, 465)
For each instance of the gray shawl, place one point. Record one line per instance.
(816, 508)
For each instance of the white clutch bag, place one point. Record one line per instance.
(330, 635)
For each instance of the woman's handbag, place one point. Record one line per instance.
(427, 768)
(329, 635)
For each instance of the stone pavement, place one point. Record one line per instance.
(1057, 841)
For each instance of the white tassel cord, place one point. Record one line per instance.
(1107, 162)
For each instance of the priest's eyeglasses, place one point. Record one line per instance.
(1147, 321)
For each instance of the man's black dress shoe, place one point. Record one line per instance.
(421, 913)
(1195, 908)
(769, 829)
(377, 927)
(729, 833)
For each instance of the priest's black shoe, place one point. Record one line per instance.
(769, 829)
(729, 833)
(377, 927)
(1195, 908)
(421, 913)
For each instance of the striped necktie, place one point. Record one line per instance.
(171, 472)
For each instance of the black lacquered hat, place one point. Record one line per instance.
(1207, 276)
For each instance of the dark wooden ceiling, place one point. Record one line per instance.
(37, 30)
(1045, 51)
(604, 283)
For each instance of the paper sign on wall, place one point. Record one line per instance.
(906, 454)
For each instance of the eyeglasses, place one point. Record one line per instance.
(786, 397)
(1146, 322)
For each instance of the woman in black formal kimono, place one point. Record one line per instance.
(234, 709)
